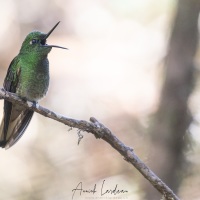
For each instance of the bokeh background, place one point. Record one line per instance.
(114, 71)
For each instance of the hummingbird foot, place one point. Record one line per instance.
(30, 103)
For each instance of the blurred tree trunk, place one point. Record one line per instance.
(173, 117)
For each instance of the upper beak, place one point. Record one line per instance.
(48, 34)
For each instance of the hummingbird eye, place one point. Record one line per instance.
(33, 41)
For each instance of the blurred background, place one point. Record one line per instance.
(133, 65)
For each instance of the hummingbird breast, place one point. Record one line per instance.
(34, 80)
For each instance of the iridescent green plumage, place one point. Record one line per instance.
(28, 77)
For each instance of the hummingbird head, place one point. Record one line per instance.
(35, 43)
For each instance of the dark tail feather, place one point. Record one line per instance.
(20, 129)
(14, 124)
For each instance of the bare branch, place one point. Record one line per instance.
(99, 131)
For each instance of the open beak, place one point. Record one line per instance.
(48, 34)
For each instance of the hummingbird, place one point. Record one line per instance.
(28, 77)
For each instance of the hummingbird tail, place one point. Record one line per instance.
(2, 141)
(13, 125)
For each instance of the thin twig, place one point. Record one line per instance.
(99, 131)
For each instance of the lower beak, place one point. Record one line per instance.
(46, 45)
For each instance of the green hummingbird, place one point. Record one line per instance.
(28, 77)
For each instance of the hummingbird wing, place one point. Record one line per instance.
(16, 117)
